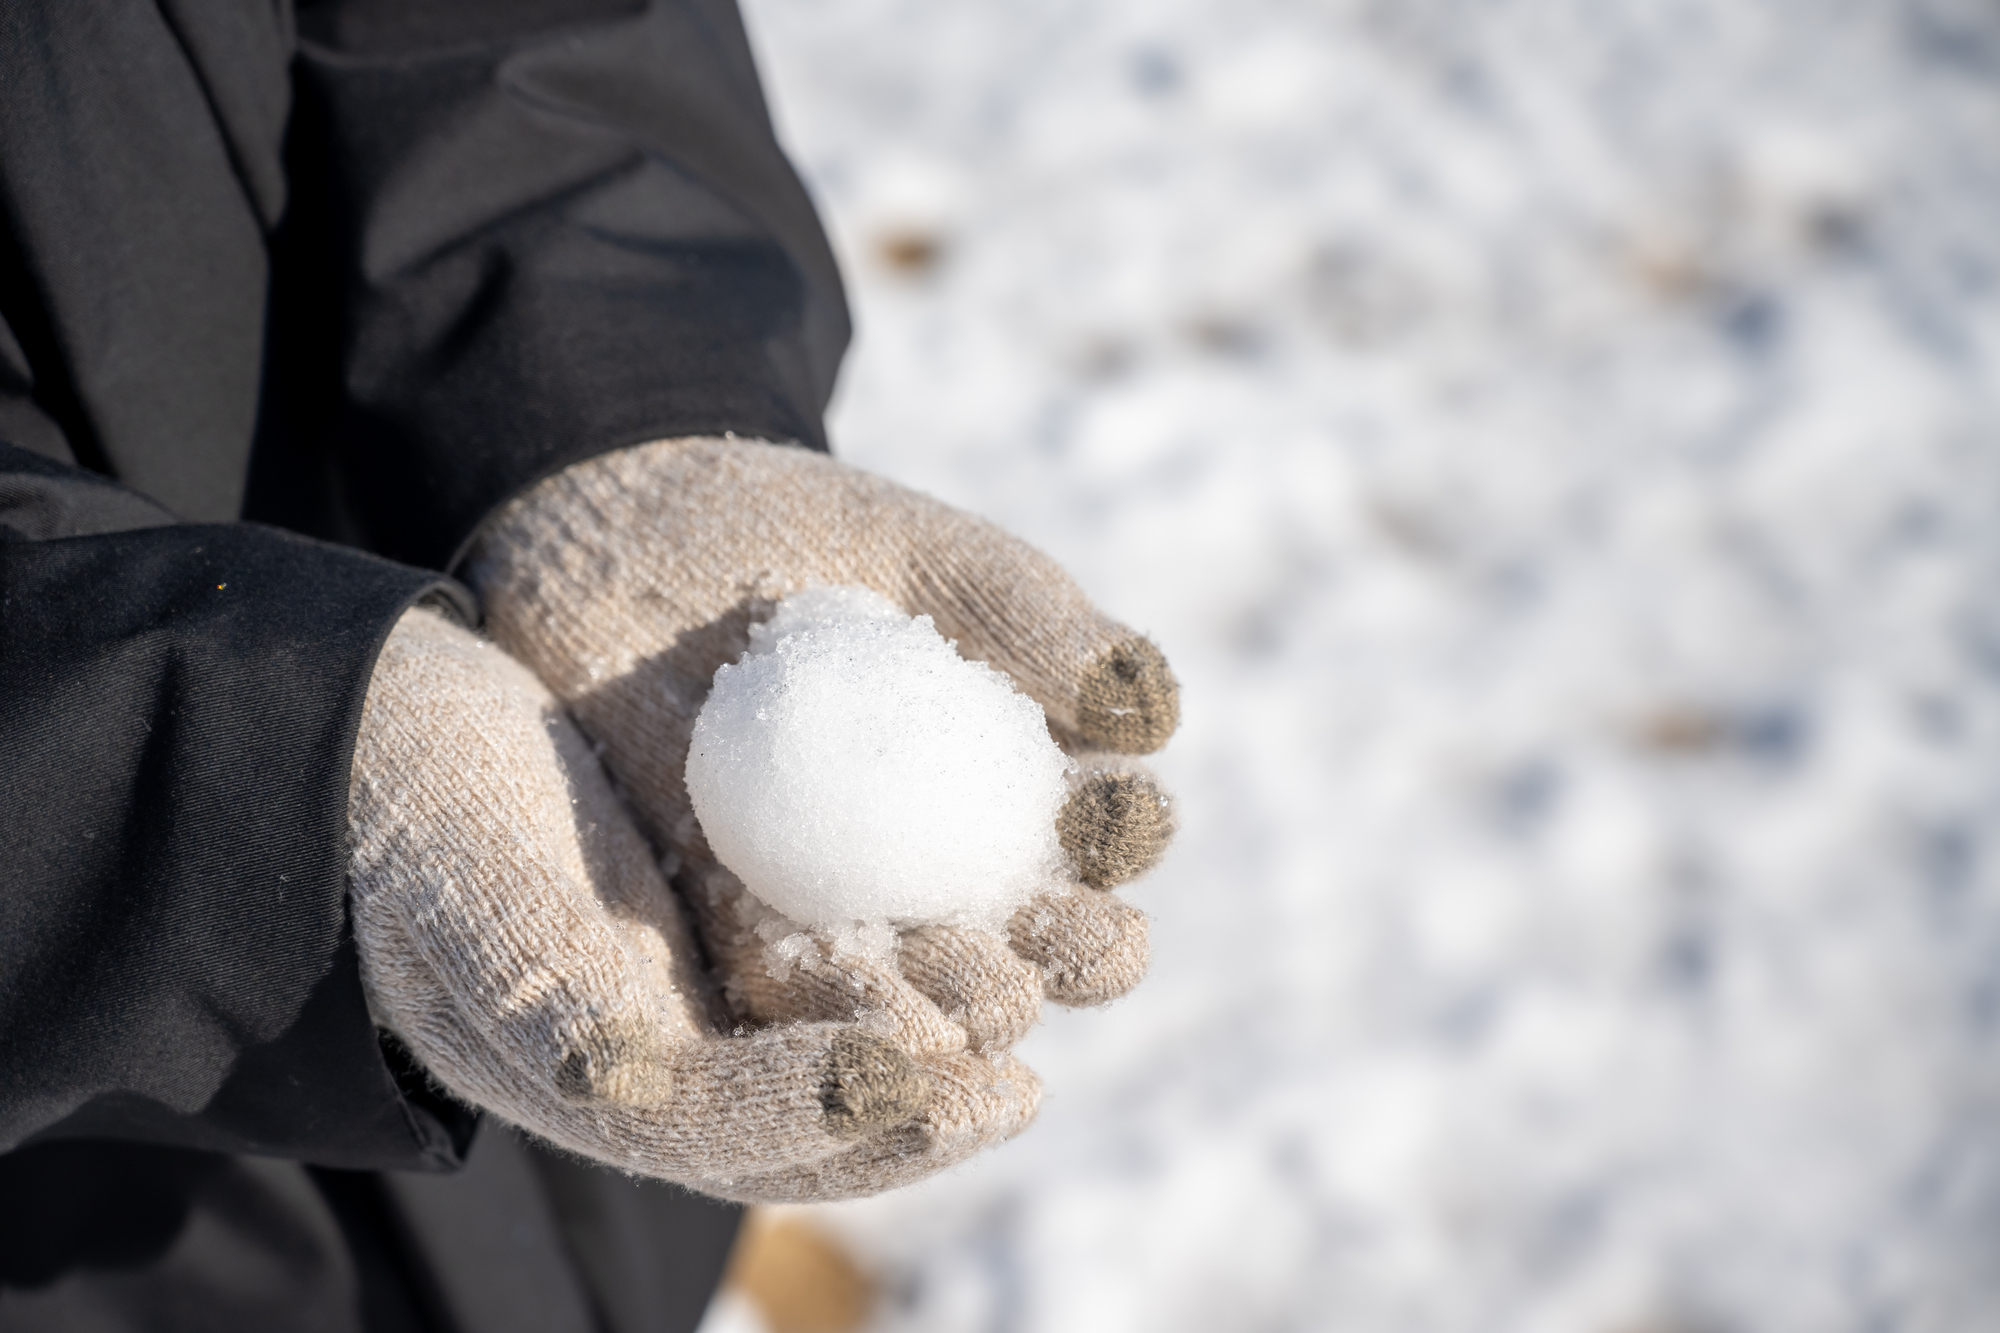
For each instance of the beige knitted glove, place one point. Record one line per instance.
(517, 934)
(625, 581)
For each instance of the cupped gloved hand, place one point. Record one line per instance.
(626, 580)
(517, 934)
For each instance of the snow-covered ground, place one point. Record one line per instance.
(1557, 443)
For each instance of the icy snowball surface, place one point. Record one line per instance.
(854, 768)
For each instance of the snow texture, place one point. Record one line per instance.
(853, 769)
(1556, 444)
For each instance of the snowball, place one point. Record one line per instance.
(854, 768)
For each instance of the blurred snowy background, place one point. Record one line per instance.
(1557, 443)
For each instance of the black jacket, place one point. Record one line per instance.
(290, 298)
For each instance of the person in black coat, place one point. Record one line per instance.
(294, 298)
(333, 270)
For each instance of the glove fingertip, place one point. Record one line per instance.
(870, 1085)
(1127, 698)
(614, 1063)
(1115, 826)
(1091, 947)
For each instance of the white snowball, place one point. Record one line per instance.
(853, 768)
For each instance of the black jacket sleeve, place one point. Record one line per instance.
(562, 228)
(360, 272)
(177, 710)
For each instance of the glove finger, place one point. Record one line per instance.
(1117, 821)
(975, 980)
(619, 1059)
(1091, 947)
(773, 971)
(1007, 604)
(977, 1102)
(706, 1109)
(788, 1094)
(586, 1056)
(814, 983)
(627, 613)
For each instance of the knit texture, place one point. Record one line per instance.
(516, 932)
(623, 582)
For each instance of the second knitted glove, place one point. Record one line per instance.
(517, 935)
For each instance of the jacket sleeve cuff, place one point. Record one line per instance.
(178, 707)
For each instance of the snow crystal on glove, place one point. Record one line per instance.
(854, 768)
